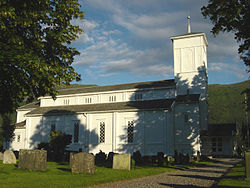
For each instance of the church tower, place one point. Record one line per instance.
(190, 68)
(190, 62)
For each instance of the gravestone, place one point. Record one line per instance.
(82, 163)
(9, 157)
(247, 163)
(160, 158)
(122, 162)
(32, 159)
(191, 158)
(1, 156)
(198, 156)
(170, 159)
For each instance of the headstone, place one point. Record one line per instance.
(198, 156)
(9, 157)
(82, 163)
(1, 156)
(170, 159)
(160, 158)
(122, 162)
(247, 163)
(138, 158)
(191, 158)
(70, 158)
(32, 159)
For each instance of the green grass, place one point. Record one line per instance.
(235, 178)
(59, 175)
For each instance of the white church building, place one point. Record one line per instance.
(158, 116)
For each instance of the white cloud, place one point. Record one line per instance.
(232, 69)
(134, 37)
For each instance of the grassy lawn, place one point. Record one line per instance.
(235, 178)
(59, 175)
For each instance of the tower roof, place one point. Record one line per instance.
(188, 35)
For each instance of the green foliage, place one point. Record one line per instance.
(6, 128)
(226, 103)
(58, 142)
(35, 55)
(234, 16)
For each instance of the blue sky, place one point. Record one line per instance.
(127, 41)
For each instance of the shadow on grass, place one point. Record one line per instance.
(205, 171)
(65, 169)
(177, 185)
(197, 177)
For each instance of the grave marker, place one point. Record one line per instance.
(9, 157)
(82, 163)
(32, 159)
(122, 162)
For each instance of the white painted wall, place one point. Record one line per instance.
(187, 128)
(190, 63)
(18, 140)
(102, 97)
(21, 115)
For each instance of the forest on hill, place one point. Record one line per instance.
(226, 102)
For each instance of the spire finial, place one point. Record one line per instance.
(188, 27)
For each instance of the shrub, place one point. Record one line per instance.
(58, 142)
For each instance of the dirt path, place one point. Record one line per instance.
(206, 176)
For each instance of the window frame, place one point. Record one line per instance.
(130, 131)
(102, 127)
(76, 132)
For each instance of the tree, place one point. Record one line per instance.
(234, 16)
(6, 129)
(35, 55)
(58, 142)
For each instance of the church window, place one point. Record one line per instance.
(52, 127)
(66, 101)
(138, 96)
(88, 100)
(213, 144)
(112, 98)
(102, 132)
(130, 131)
(76, 132)
(18, 138)
(217, 144)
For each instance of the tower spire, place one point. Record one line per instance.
(188, 27)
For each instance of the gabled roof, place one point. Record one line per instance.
(30, 106)
(187, 98)
(131, 105)
(186, 35)
(225, 129)
(20, 125)
(139, 85)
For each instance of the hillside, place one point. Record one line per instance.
(226, 102)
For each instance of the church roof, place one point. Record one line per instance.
(30, 105)
(134, 105)
(20, 125)
(187, 98)
(139, 85)
(186, 35)
(225, 129)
